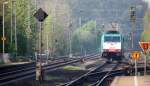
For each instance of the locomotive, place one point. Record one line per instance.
(112, 45)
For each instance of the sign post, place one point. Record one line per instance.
(135, 56)
(145, 46)
(40, 15)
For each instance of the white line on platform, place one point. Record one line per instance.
(115, 81)
(135, 81)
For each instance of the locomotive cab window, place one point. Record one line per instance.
(112, 38)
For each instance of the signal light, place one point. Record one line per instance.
(133, 13)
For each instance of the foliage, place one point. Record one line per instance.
(25, 36)
(55, 37)
(55, 29)
(86, 37)
(48, 32)
(146, 33)
(28, 28)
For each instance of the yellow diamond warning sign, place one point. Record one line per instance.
(136, 55)
(3, 38)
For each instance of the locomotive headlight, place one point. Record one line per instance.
(118, 50)
(106, 50)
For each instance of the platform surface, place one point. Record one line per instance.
(12, 64)
(131, 81)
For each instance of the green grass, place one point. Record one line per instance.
(72, 68)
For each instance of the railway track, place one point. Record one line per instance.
(14, 73)
(97, 76)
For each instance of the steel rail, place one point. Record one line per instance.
(96, 73)
(24, 73)
(78, 80)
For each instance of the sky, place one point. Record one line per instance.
(148, 1)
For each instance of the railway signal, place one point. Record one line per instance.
(133, 23)
(132, 14)
(40, 15)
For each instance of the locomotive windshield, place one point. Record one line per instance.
(112, 38)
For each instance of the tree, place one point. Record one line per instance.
(28, 28)
(86, 37)
(145, 35)
(25, 35)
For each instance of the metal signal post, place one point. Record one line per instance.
(15, 26)
(40, 15)
(133, 20)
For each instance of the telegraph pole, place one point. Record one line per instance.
(53, 29)
(70, 43)
(14, 23)
(47, 46)
(11, 24)
(28, 28)
(80, 25)
(95, 31)
(70, 35)
(4, 38)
